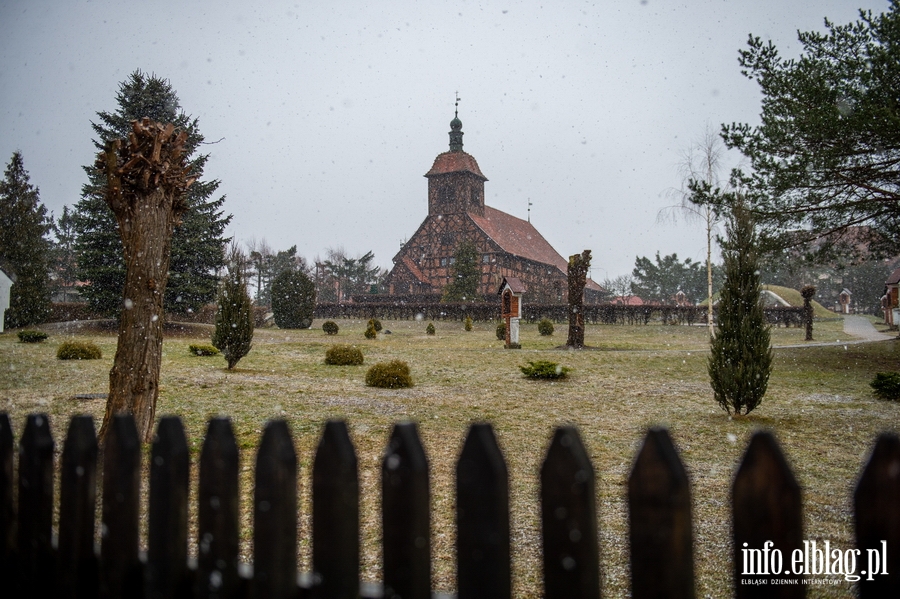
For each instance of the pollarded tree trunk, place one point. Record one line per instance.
(578, 269)
(146, 181)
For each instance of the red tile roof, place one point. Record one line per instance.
(894, 278)
(414, 270)
(515, 285)
(452, 162)
(520, 238)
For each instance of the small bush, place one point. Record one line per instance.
(375, 324)
(343, 355)
(429, 330)
(468, 323)
(501, 331)
(370, 333)
(78, 350)
(389, 375)
(887, 385)
(203, 350)
(32, 336)
(545, 327)
(330, 327)
(544, 369)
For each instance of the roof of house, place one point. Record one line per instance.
(452, 162)
(413, 269)
(515, 285)
(894, 278)
(520, 238)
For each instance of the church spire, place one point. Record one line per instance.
(456, 134)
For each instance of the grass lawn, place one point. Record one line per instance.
(819, 406)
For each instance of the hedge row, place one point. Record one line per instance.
(593, 313)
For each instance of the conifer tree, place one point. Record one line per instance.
(233, 335)
(198, 245)
(293, 300)
(24, 247)
(741, 358)
(465, 274)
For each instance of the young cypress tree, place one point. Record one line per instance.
(741, 358)
(24, 247)
(233, 335)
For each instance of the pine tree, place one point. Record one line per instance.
(465, 274)
(233, 335)
(198, 245)
(24, 247)
(741, 358)
(293, 299)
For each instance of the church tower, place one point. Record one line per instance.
(455, 183)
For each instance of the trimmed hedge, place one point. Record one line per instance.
(330, 327)
(343, 355)
(29, 336)
(389, 375)
(203, 350)
(78, 350)
(501, 331)
(545, 327)
(544, 369)
(429, 330)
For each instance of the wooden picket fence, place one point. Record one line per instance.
(766, 507)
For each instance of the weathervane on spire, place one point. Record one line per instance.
(529, 209)
(456, 142)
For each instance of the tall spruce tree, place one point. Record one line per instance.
(198, 245)
(741, 358)
(24, 247)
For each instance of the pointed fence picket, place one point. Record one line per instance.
(766, 504)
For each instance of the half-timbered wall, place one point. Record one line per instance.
(431, 250)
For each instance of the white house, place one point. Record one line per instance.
(5, 284)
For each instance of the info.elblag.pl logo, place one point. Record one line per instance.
(812, 560)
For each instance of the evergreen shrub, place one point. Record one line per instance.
(343, 355)
(30, 336)
(370, 333)
(293, 300)
(203, 350)
(544, 369)
(389, 375)
(545, 327)
(330, 327)
(887, 385)
(740, 360)
(468, 323)
(233, 335)
(429, 330)
(501, 331)
(78, 350)
(375, 324)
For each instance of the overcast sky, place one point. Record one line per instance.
(329, 113)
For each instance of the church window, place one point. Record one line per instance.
(443, 262)
(486, 259)
(452, 260)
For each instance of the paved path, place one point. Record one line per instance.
(858, 328)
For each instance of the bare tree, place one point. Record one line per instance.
(701, 163)
(619, 287)
(147, 177)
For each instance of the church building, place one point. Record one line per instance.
(507, 246)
